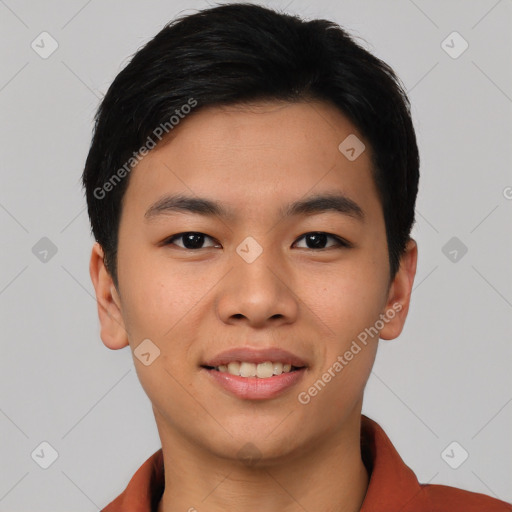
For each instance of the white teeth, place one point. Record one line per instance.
(261, 370)
(264, 370)
(278, 368)
(234, 368)
(247, 370)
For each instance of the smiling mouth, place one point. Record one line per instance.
(263, 370)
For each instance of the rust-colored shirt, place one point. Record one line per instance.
(393, 487)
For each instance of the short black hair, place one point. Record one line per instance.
(240, 53)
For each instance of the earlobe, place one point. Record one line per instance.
(399, 295)
(112, 328)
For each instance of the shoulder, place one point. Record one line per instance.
(394, 487)
(448, 499)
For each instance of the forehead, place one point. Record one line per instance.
(247, 156)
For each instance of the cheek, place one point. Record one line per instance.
(333, 394)
(156, 296)
(346, 353)
(348, 299)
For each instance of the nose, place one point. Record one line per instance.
(258, 293)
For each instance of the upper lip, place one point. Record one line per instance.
(256, 356)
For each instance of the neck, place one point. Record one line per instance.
(327, 476)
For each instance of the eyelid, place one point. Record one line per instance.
(169, 240)
(341, 242)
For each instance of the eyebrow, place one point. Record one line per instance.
(202, 206)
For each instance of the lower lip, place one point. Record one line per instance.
(254, 388)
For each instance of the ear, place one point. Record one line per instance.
(112, 329)
(399, 295)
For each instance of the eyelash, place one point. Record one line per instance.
(341, 243)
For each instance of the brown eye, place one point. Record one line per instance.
(319, 239)
(190, 240)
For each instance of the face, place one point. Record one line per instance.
(282, 258)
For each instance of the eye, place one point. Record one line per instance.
(191, 240)
(318, 239)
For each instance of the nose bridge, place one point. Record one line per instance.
(257, 287)
(259, 270)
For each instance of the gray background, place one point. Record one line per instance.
(447, 378)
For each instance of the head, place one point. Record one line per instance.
(230, 125)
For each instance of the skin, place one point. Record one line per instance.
(195, 303)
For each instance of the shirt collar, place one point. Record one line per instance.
(393, 485)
